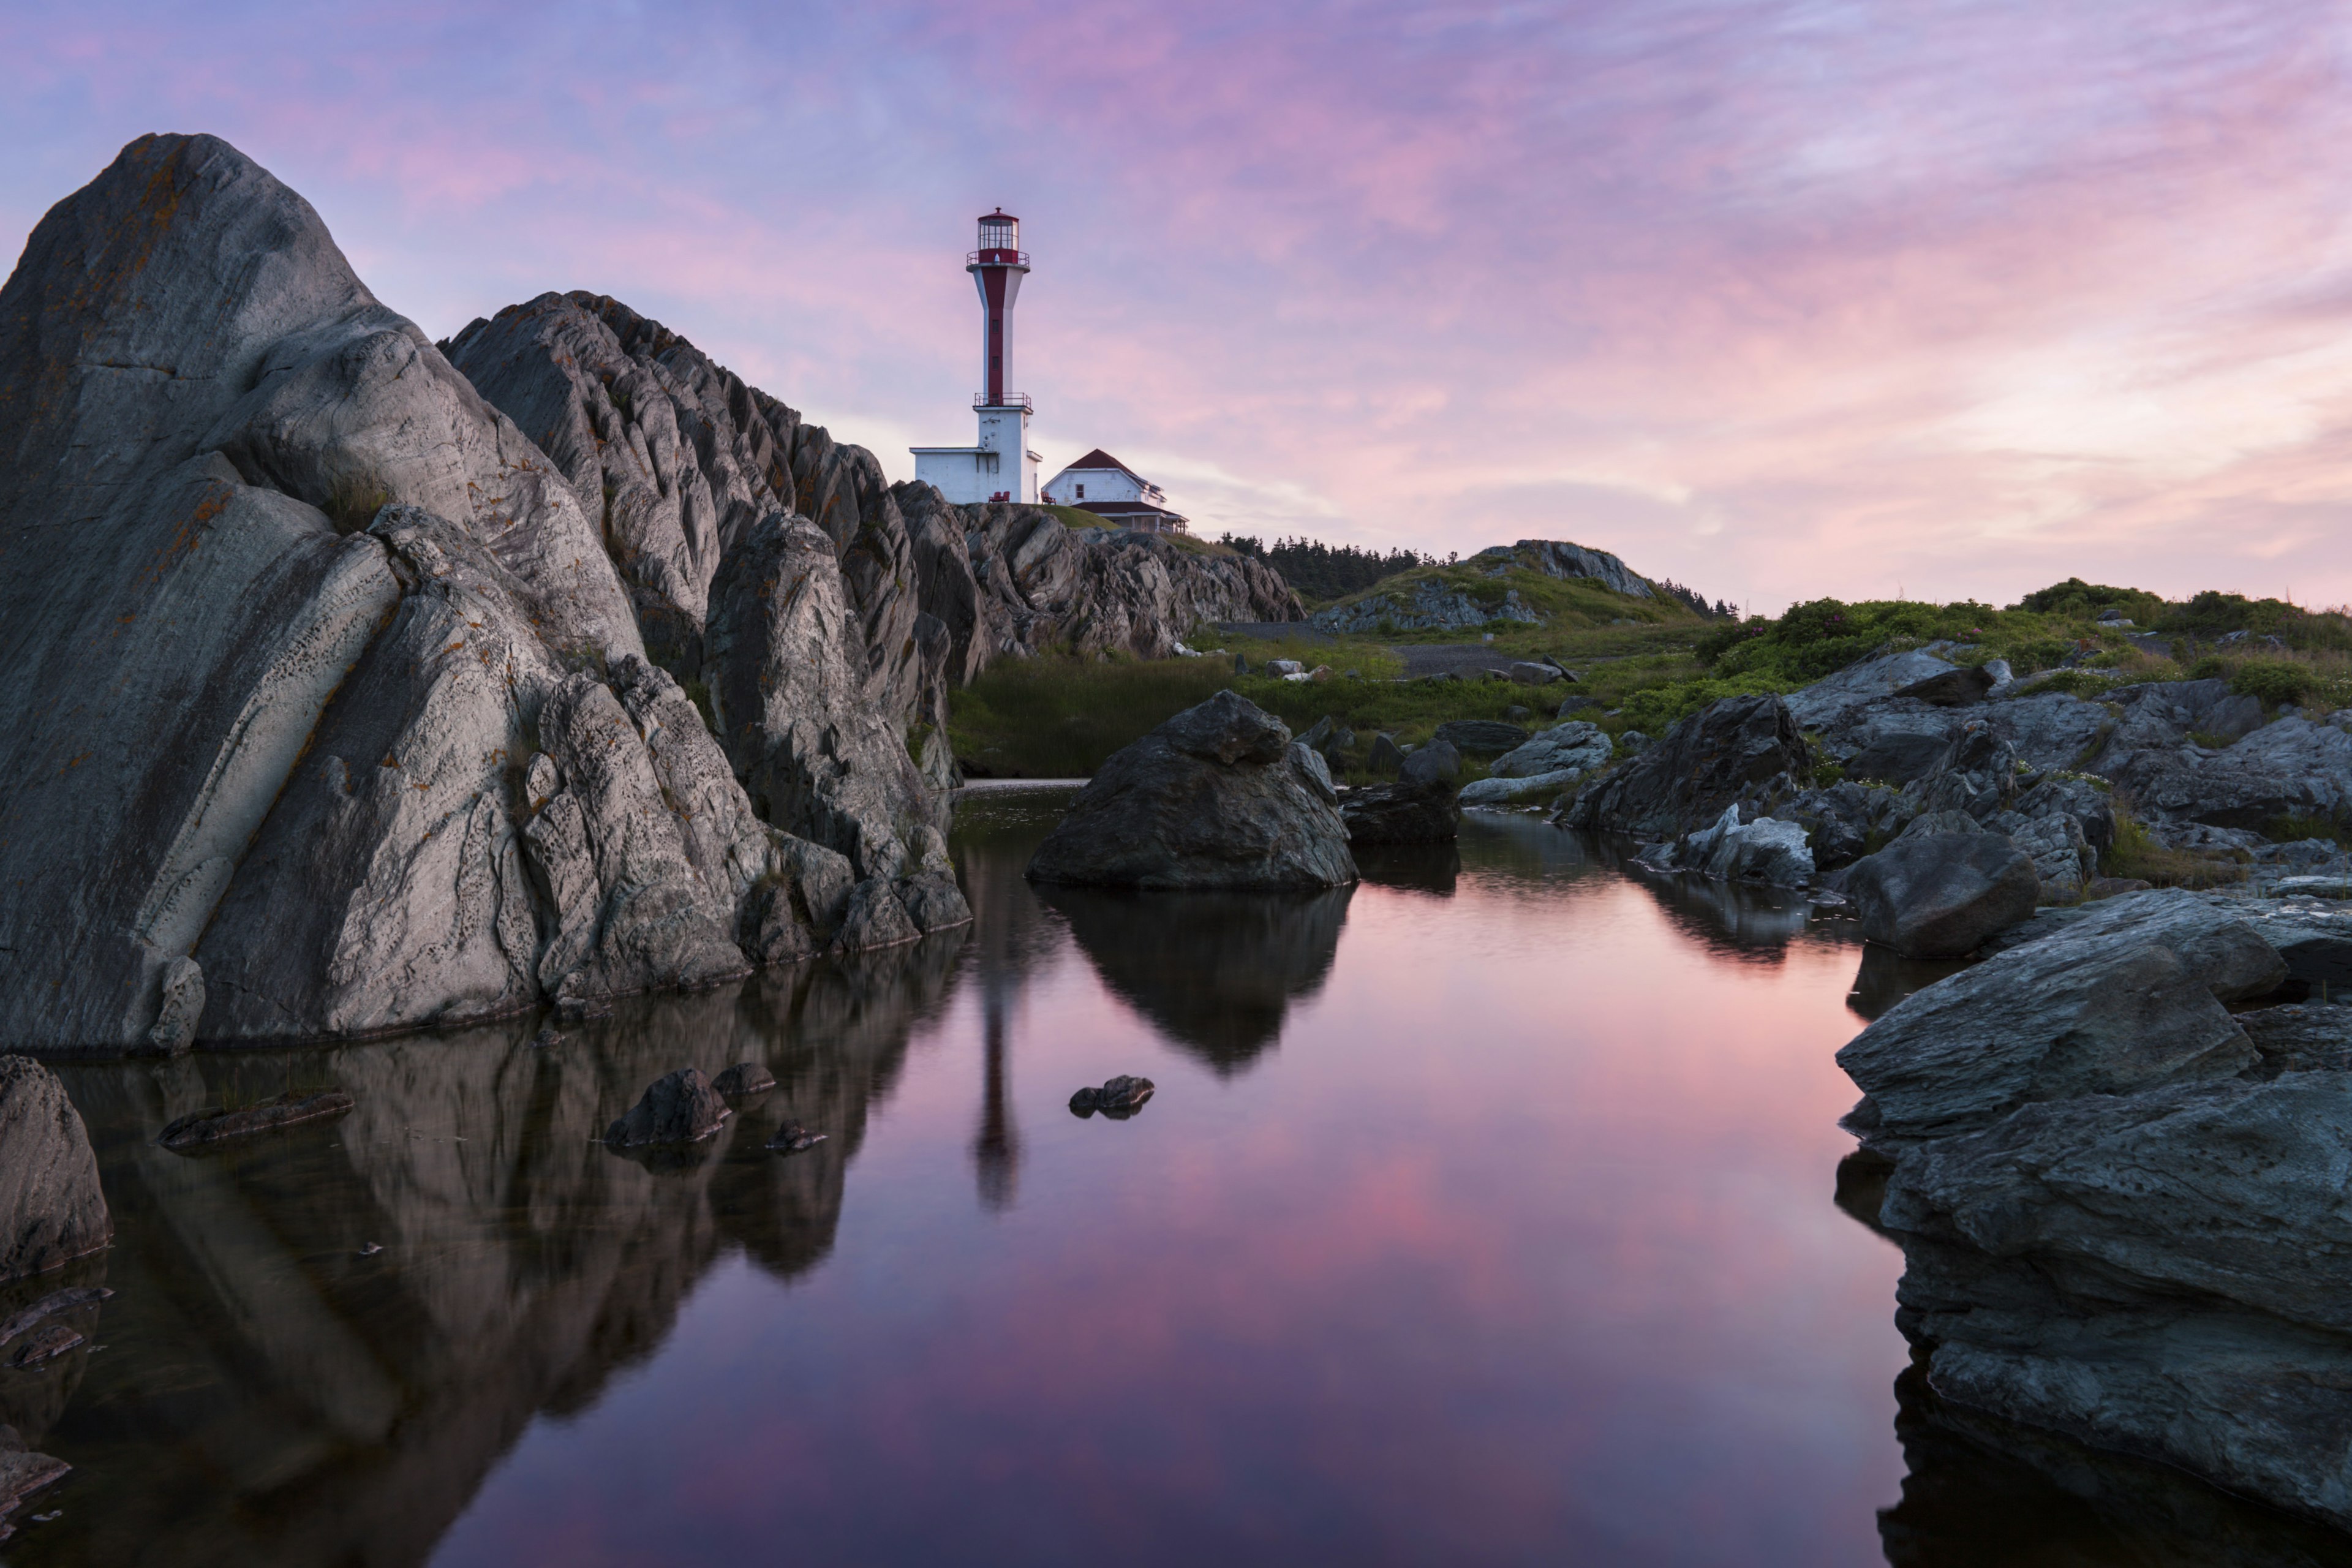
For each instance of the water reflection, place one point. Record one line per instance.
(1560, 1289)
(272, 1392)
(1981, 1491)
(1432, 869)
(1214, 973)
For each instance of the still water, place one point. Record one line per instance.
(1483, 1216)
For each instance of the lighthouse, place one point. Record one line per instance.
(999, 465)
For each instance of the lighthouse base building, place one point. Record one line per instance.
(998, 466)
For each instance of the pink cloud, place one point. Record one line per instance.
(1779, 300)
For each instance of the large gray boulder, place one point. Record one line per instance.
(1216, 798)
(1682, 781)
(1832, 699)
(51, 1210)
(1942, 894)
(2127, 996)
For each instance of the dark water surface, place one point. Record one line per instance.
(1484, 1214)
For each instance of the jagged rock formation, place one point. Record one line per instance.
(1009, 579)
(1425, 601)
(328, 713)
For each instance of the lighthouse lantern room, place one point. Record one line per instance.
(998, 465)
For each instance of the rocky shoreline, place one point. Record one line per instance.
(363, 684)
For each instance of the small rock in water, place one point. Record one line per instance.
(791, 1138)
(677, 1108)
(744, 1079)
(203, 1129)
(547, 1038)
(573, 1009)
(371, 1249)
(1118, 1099)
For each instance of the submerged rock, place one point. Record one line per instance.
(51, 1209)
(681, 1107)
(208, 1128)
(1216, 798)
(793, 1137)
(1936, 894)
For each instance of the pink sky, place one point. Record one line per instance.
(1778, 298)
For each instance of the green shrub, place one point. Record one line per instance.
(1657, 708)
(2272, 681)
(2294, 824)
(2136, 853)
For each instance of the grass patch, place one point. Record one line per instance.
(1060, 717)
(2294, 826)
(2136, 853)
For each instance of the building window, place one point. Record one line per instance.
(1082, 492)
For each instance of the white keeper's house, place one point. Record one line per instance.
(1101, 484)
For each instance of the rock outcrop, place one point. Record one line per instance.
(330, 713)
(2128, 996)
(51, 1210)
(1014, 580)
(2120, 1204)
(1219, 796)
(1682, 781)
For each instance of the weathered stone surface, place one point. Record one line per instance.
(1684, 780)
(1558, 558)
(1385, 756)
(681, 1107)
(1575, 746)
(1934, 894)
(1481, 737)
(1766, 850)
(2050, 730)
(2161, 1273)
(933, 902)
(1407, 812)
(2125, 996)
(51, 1210)
(237, 406)
(209, 1129)
(1034, 584)
(2063, 858)
(818, 758)
(875, 918)
(1826, 701)
(1216, 797)
(1423, 604)
(1527, 674)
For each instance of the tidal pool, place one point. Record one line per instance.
(1484, 1214)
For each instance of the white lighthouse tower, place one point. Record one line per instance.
(998, 465)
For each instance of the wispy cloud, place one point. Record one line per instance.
(1776, 297)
